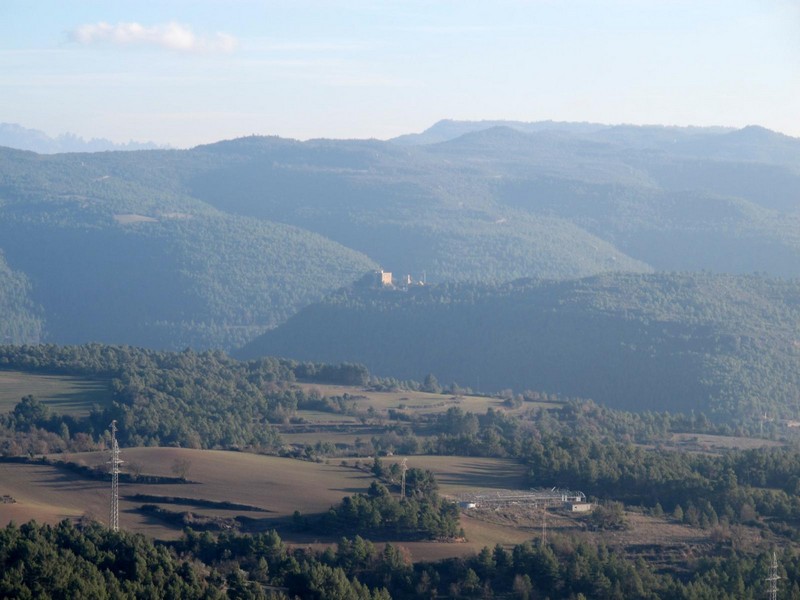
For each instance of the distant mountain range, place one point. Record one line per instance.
(210, 247)
(22, 138)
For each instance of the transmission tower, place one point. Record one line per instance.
(772, 580)
(544, 524)
(115, 463)
(403, 469)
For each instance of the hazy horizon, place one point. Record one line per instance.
(185, 73)
(141, 144)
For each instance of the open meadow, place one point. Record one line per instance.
(63, 394)
(459, 474)
(699, 442)
(369, 413)
(418, 403)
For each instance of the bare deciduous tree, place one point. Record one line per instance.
(180, 467)
(135, 468)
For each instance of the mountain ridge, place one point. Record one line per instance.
(726, 345)
(561, 202)
(13, 135)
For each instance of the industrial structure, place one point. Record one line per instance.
(572, 501)
(115, 463)
(403, 469)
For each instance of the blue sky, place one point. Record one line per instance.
(184, 73)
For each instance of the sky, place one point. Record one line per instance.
(182, 73)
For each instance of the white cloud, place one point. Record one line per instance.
(172, 36)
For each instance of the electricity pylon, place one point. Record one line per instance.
(115, 463)
(772, 580)
(403, 469)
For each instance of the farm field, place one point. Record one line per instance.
(65, 395)
(457, 474)
(269, 489)
(708, 442)
(705, 443)
(347, 434)
(418, 402)
(277, 486)
(318, 417)
(370, 412)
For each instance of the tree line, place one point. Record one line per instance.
(89, 561)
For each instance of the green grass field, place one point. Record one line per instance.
(64, 395)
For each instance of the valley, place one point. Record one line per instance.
(611, 310)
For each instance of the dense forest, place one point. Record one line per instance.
(106, 259)
(21, 320)
(421, 514)
(722, 344)
(65, 561)
(211, 246)
(186, 399)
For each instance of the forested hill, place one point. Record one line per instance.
(499, 201)
(722, 344)
(91, 249)
(211, 246)
(20, 319)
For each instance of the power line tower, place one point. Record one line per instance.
(115, 463)
(772, 580)
(544, 524)
(403, 469)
